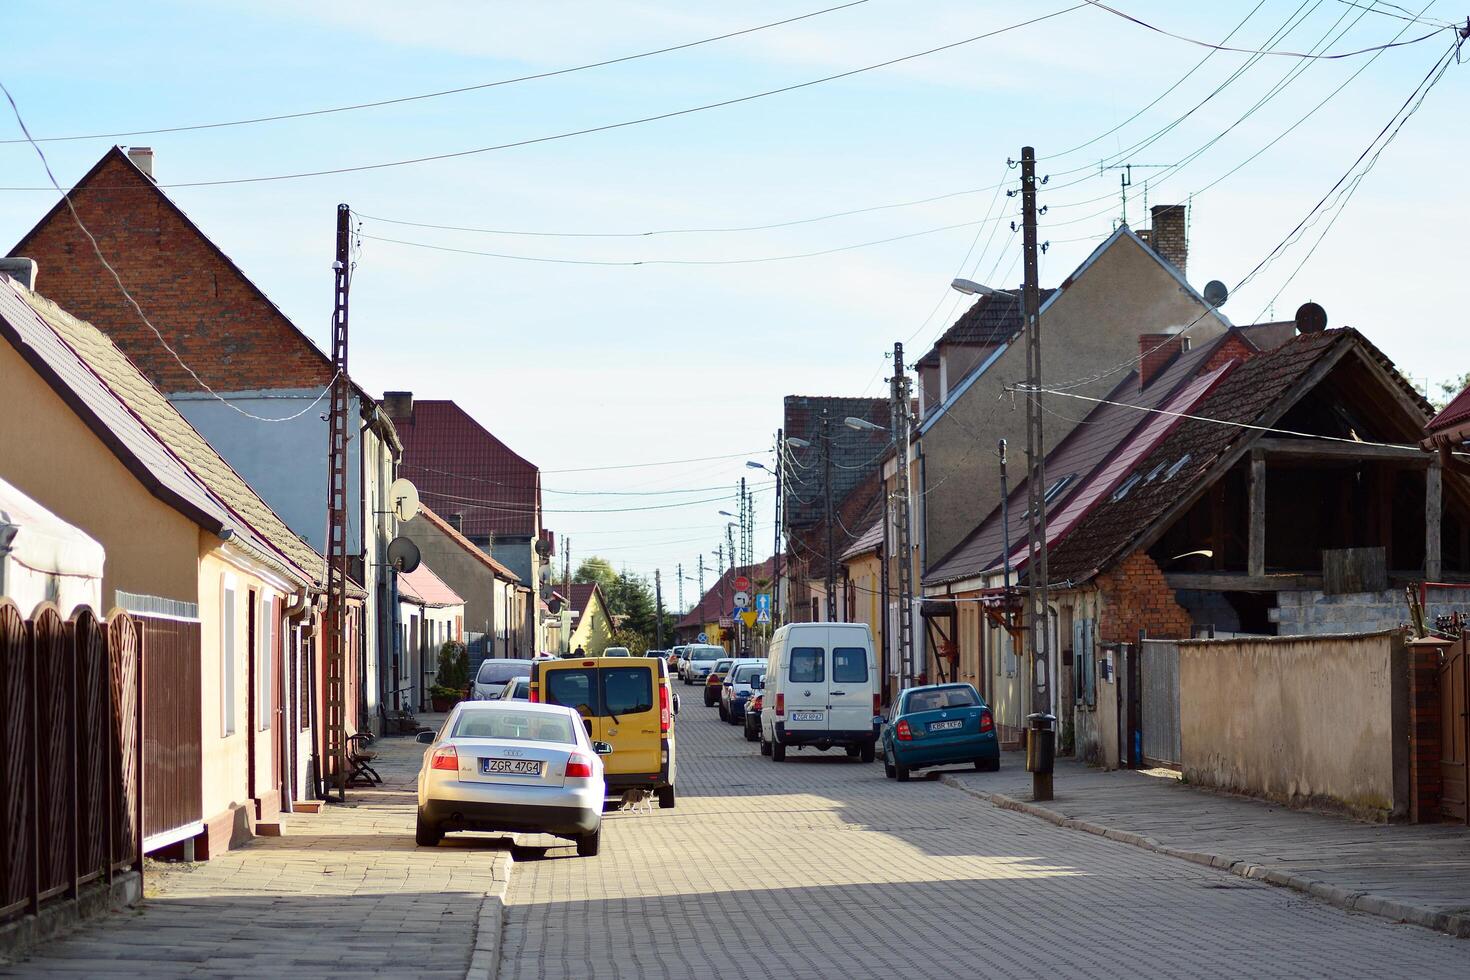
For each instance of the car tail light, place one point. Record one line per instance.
(663, 709)
(780, 703)
(987, 723)
(445, 758)
(579, 766)
(535, 696)
(757, 702)
(714, 681)
(877, 704)
(902, 731)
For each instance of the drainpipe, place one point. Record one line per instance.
(7, 535)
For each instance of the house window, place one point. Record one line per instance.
(227, 657)
(1058, 487)
(1174, 470)
(264, 657)
(1008, 651)
(1084, 662)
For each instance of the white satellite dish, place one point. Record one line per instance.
(403, 499)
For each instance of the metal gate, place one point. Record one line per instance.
(173, 794)
(1160, 696)
(1454, 701)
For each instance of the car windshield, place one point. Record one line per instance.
(743, 675)
(522, 689)
(501, 671)
(722, 666)
(951, 697)
(537, 726)
(707, 653)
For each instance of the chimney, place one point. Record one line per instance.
(21, 270)
(1168, 237)
(1156, 351)
(398, 404)
(456, 521)
(142, 157)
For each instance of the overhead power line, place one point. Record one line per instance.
(657, 117)
(667, 462)
(280, 117)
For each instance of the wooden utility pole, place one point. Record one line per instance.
(899, 422)
(334, 722)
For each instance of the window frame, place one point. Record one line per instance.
(265, 635)
(863, 652)
(229, 625)
(821, 661)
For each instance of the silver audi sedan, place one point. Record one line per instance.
(512, 767)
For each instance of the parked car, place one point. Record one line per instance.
(822, 690)
(753, 719)
(616, 652)
(512, 768)
(741, 683)
(714, 679)
(939, 725)
(517, 690)
(676, 660)
(626, 702)
(495, 674)
(701, 660)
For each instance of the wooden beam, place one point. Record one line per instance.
(1322, 449)
(1236, 582)
(1256, 560)
(1433, 513)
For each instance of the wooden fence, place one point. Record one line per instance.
(71, 742)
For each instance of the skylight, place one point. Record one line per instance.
(1125, 486)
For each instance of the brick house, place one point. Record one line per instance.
(210, 316)
(1171, 512)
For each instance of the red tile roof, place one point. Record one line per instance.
(424, 588)
(1452, 416)
(719, 601)
(459, 467)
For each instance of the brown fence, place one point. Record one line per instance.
(70, 754)
(173, 800)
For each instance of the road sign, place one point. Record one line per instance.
(703, 638)
(742, 600)
(727, 624)
(763, 616)
(749, 617)
(763, 602)
(742, 583)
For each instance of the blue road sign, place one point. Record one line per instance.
(703, 638)
(762, 615)
(763, 602)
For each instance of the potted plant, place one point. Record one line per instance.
(453, 676)
(443, 698)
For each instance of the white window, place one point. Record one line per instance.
(264, 657)
(227, 655)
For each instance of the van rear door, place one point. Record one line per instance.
(806, 687)
(850, 692)
(630, 718)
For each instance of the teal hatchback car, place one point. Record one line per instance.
(939, 725)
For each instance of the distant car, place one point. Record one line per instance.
(740, 686)
(494, 674)
(714, 680)
(616, 652)
(512, 767)
(517, 690)
(939, 725)
(753, 718)
(701, 659)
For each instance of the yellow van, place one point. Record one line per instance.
(626, 702)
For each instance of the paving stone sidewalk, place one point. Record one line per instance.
(1414, 873)
(345, 892)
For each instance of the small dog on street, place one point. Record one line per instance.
(637, 797)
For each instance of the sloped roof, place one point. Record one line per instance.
(39, 540)
(992, 319)
(423, 587)
(856, 454)
(1452, 417)
(501, 572)
(159, 446)
(719, 600)
(867, 542)
(460, 467)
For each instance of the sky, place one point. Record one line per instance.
(581, 367)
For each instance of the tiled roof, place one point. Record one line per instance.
(719, 600)
(867, 542)
(161, 448)
(856, 454)
(424, 588)
(459, 467)
(469, 546)
(991, 319)
(1454, 415)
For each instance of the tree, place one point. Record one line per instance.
(598, 570)
(636, 643)
(631, 598)
(1447, 390)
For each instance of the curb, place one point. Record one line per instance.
(1451, 923)
(485, 956)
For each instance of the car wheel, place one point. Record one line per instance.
(750, 736)
(666, 798)
(987, 765)
(426, 835)
(778, 752)
(888, 769)
(588, 844)
(765, 747)
(868, 753)
(900, 771)
(851, 750)
(724, 713)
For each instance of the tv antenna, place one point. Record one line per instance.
(1125, 180)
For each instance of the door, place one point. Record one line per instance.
(629, 718)
(807, 693)
(1453, 736)
(850, 692)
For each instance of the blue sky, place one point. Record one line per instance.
(581, 366)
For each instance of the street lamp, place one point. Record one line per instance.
(752, 464)
(798, 442)
(862, 425)
(971, 288)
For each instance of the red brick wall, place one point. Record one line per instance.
(1136, 597)
(221, 325)
(1424, 727)
(1232, 348)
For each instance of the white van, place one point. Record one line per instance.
(821, 689)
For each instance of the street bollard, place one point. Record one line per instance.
(1041, 751)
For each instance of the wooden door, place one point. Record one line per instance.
(1453, 737)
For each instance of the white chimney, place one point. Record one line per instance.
(22, 270)
(142, 157)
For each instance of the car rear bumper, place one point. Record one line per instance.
(524, 818)
(951, 751)
(809, 736)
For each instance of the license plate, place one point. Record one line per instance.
(944, 726)
(806, 716)
(511, 767)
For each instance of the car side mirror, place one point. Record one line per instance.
(424, 738)
(602, 748)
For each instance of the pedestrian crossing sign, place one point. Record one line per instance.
(763, 616)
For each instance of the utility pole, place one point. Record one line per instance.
(701, 577)
(1038, 600)
(679, 571)
(658, 606)
(744, 526)
(900, 428)
(776, 585)
(335, 720)
(827, 502)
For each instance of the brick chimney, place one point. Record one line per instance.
(142, 157)
(1168, 237)
(1156, 351)
(398, 404)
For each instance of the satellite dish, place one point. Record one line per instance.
(1215, 293)
(1310, 318)
(403, 498)
(403, 554)
(543, 547)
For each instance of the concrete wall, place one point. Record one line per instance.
(1093, 325)
(1307, 721)
(1314, 613)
